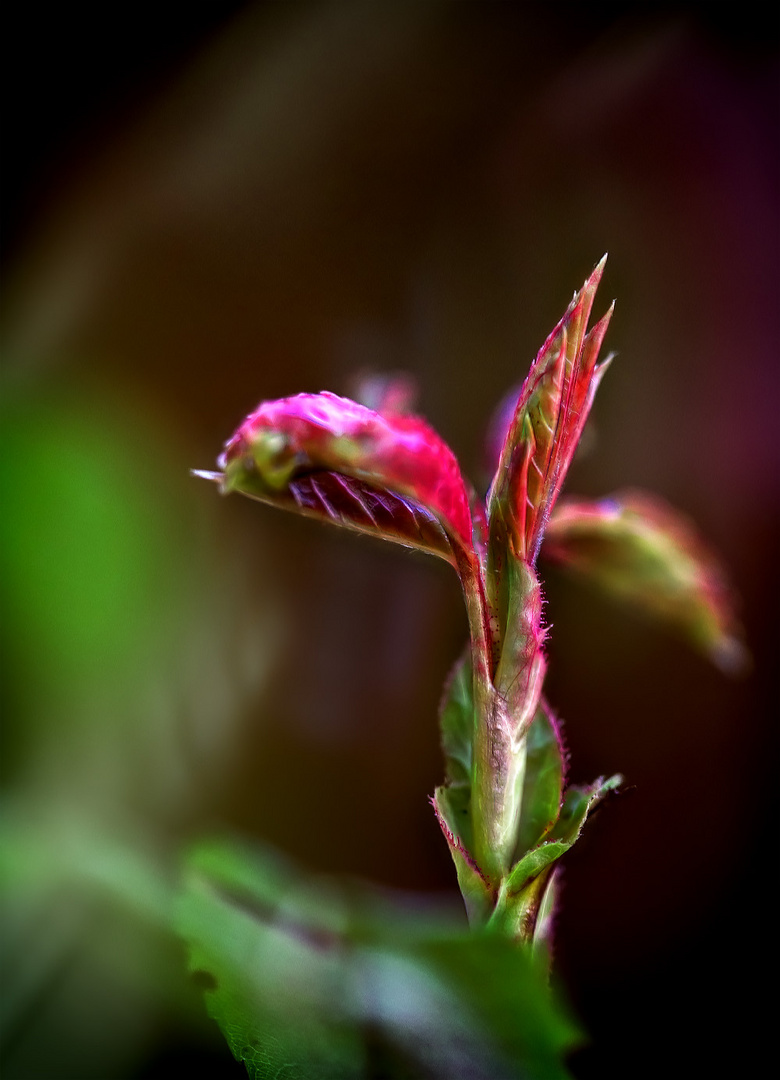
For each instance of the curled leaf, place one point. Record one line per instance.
(639, 549)
(303, 435)
(331, 458)
(386, 474)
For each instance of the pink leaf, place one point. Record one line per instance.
(282, 449)
(387, 474)
(353, 504)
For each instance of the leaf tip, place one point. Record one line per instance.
(732, 656)
(597, 273)
(206, 474)
(613, 783)
(602, 367)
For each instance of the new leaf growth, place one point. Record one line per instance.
(504, 809)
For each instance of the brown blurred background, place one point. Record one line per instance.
(239, 201)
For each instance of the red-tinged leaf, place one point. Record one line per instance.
(341, 500)
(389, 475)
(642, 551)
(295, 437)
(518, 486)
(583, 391)
(547, 423)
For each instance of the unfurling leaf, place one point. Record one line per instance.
(379, 470)
(385, 474)
(639, 549)
(453, 810)
(547, 423)
(389, 475)
(537, 449)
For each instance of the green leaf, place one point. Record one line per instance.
(452, 806)
(456, 721)
(506, 990)
(525, 896)
(640, 550)
(579, 801)
(543, 785)
(534, 862)
(309, 979)
(274, 982)
(577, 804)
(455, 804)
(452, 802)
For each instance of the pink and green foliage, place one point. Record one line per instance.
(505, 808)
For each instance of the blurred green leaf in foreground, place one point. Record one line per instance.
(321, 978)
(120, 644)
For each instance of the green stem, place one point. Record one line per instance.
(504, 711)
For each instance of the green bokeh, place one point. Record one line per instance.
(92, 549)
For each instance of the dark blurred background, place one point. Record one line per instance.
(210, 204)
